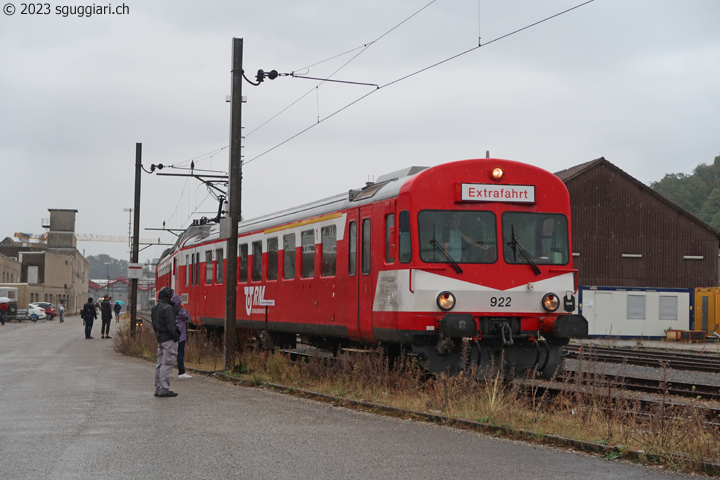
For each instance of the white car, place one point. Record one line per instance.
(37, 310)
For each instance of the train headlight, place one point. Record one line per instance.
(550, 302)
(497, 174)
(446, 301)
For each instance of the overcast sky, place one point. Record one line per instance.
(634, 81)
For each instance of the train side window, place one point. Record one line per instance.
(389, 228)
(272, 258)
(208, 267)
(329, 251)
(244, 262)
(219, 267)
(405, 243)
(257, 261)
(289, 256)
(307, 260)
(352, 249)
(187, 270)
(366, 246)
(197, 269)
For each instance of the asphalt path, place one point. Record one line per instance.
(72, 408)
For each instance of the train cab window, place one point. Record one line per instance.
(289, 256)
(366, 246)
(257, 261)
(272, 258)
(404, 241)
(208, 267)
(307, 260)
(329, 251)
(243, 262)
(352, 249)
(467, 236)
(219, 266)
(535, 238)
(389, 229)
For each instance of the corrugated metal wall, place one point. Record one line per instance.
(626, 236)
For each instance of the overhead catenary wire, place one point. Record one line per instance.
(417, 72)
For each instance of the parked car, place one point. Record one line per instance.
(50, 309)
(35, 309)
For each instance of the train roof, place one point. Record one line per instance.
(387, 186)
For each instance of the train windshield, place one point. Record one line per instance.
(451, 236)
(535, 238)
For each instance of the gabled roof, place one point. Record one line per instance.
(573, 172)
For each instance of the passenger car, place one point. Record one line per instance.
(50, 310)
(34, 308)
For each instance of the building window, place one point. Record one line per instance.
(289, 256)
(668, 307)
(272, 258)
(636, 307)
(329, 250)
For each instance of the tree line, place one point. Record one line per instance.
(104, 266)
(698, 193)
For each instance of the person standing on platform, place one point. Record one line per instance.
(117, 309)
(106, 310)
(166, 331)
(89, 314)
(181, 316)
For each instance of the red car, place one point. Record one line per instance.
(49, 309)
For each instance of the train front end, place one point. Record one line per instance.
(490, 280)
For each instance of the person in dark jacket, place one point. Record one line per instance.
(166, 331)
(106, 312)
(88, 314)
(117, 309)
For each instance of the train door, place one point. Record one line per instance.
(366, 285)
(353, 314)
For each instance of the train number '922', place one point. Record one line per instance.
(500, 302)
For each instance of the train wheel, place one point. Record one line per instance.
(553, 362)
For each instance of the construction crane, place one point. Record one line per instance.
(80, 237)
(89, 237)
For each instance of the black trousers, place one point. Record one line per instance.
(105, 327)
(88, 327)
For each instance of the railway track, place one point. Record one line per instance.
(676, 360)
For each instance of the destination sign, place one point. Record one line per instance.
(482, 192)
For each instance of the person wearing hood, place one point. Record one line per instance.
(181, 316)
(88, 314)
(166, 331)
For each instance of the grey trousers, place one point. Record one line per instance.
(166, 353)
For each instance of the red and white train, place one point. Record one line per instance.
(468, 261)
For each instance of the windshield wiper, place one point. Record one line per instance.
(447, 256)
(518, 249)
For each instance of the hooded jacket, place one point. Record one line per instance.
(181, 316)
(163, 317)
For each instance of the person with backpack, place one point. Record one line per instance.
(88, 314)
(166, 331)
